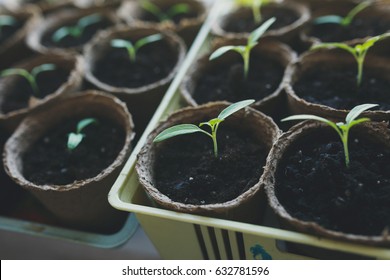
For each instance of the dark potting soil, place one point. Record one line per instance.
(50, 162)
(187, 171)
(337, 88)
(72, 42)
(19, 94)
(8, 31)
(359, 28)
(226, 82)
(147, 16)
(284, 17)
(313, 184)
(154, 62)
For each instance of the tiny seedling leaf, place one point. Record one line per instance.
(222, 50)
(7, 21)
(84, 123)
(120, 43)
(356, 111)
(147, 40)
(74, 139)
(234, 108)
(328, 19)
(42, 68)
(89, 20)
(257, 33)
(177, 130)
(177, 10)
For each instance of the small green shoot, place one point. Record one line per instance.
(213, 124)
(359, 52)
(341, 128)
(77, 30)
(176, 9)
(343, 21)
(31, 76)
(256, 6)
(132, 49)
(74, 139)
(6, 21)
(245, 51)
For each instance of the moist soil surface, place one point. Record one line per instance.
(18, 95)
(226, 82)
(50, 162)
(313, 184)
(187, 171)
(359, 28)
(154, 62)
(8, 31)
(284, 17)
(337, 88)
(147, 16)
(72, 42)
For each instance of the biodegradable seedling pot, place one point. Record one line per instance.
(12, 45)
(373, 20)
(40, 39)
(82, 202)
(191, 155)
(222, 79)
(44, 6)
(238, 22)
(142, 84)
(185, 25)
(324, 83)
(311, 190)
(17, 98)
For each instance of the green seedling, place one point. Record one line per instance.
(74, 139)
(245, 51)
(213, 124)
(175, 10)
(359, 52)
(31, 76)
(341, 128)
(256, 6)
(343, 21)
(132, 49)
(77, 30)
(6, 21)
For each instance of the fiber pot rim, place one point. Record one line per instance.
(86, 96)
(192, 76)
(73, 83)
(303, 17)
(174, 118)
(123, 31)
(183, 24)
(324, 110)
(276, 154)
(44, 25)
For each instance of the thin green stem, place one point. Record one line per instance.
(132, 54)
(345, 144)
(256, 13)
(246, 56)
(214, 136)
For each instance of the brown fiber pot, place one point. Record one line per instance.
(83, 203)
(285, 34)
(141, 101)
(44, 6)
(336, 58)
(378, 132)
(74, 64)
(249, 206)
(187, 28)
(14, 48)
(279, 51)
(60, 19)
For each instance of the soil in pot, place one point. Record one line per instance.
(149, 17)
(50, 162)
(70, 41)
(313, 183)
(48, 82)
(154, 62)
(284, 17)
(337, 88)
(187, 171)
(228, 83)
(7, 31)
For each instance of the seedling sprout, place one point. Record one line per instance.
(74, 139)
(132, 49)
(176, 9)
(341, 128)
(256, 6)
(213, 124)
(343, 21)
(359, 51)
(6, 21)
(245, 51)
(31, 76)
(77, 30)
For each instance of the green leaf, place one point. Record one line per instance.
(257, 33)
(120, 43)
(177, 10)
(177, 130)
(60, 34)
(222, 50)
(15, 71)
(305, 117)
(88, 20)
(351, 15)
(334, 45)
(153, 9)
(356, 111)
(234, 108)
(328, 19)
(74, 140)
(84, 123)
(7, 20)
(42, 68)
(147, 40)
